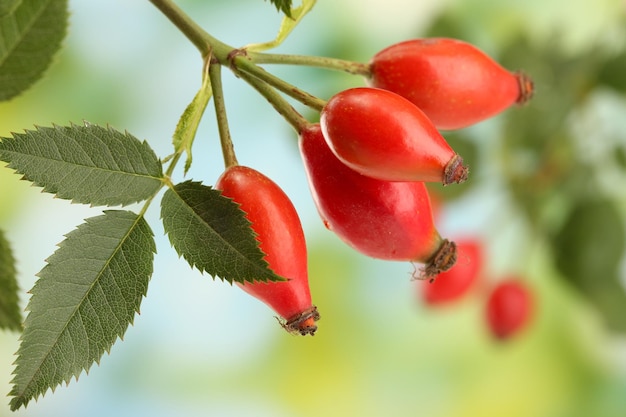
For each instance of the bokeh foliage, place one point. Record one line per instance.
(545, 158)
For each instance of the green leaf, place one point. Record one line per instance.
(189, 121)
(85, 298)
(286, 27)
(591, 241)
(611, 72)
(620, 157)
(213, 234)
(8, 6)
(588, 250)
(30, 35)
(10, 314)
(86, 164)
(283, 6)
(609, 299)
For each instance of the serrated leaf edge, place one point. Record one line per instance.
(45, 188)
(52, 57)
(12, 326)
(14, 405)
(251, 230)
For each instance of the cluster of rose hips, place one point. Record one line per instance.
(367, 162)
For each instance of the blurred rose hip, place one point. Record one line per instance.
(509, 307)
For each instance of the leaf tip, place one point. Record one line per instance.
(16, 403)
(283, 6)
(18, 400)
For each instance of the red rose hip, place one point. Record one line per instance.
(509, 308)
(279, 232)
(452, 81)
(384, 136)
(382, 219)
(457, 281)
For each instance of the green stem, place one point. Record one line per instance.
(228, 150)
(291, 115)
(202, 40)
(242, 63)
(351, 67)
(144, 209)
(170, 169)
(166, 182)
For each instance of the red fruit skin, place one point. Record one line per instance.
(452, 81)
(381, 219)
(384, 136)
(509, 308)
(280, 237)
(453, 284)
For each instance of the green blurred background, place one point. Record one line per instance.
(546, 196)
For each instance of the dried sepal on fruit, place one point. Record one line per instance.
(453, 284)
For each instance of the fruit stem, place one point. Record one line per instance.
(228, 150)
(170, 169)
(351, 67)
(242, 63)
(291, 115)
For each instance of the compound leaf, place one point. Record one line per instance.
(86, 164)
(212, 234)
(84, 299)
(31, 32)
(10, 315)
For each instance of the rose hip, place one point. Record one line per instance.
(281, 238)
(509, 308)
(384, 136)
(452, 81)
(382, 219)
